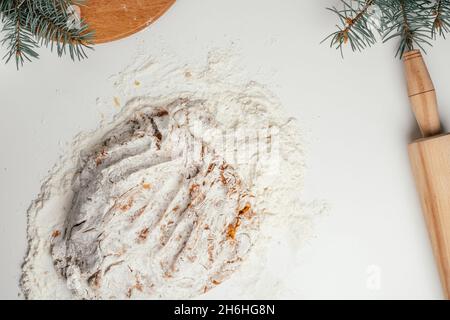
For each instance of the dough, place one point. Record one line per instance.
(157, 212)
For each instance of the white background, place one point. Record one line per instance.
(354, 111)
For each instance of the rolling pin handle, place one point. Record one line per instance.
(422, 94)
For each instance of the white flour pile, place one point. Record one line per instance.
(193, 189)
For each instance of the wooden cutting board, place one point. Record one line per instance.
(115, 19)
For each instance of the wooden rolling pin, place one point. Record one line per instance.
(430, 161)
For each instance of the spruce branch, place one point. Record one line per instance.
(29, 24)
(353, 25)
(414, 23)
(441, 18)
(18, 40)
(49, 25)
(407, 20)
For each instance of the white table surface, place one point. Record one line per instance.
(354, 112)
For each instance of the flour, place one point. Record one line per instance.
(191, 189)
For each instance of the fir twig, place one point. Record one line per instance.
(18, 40)
(29, 24)
(441, 21)
(413, 22)
(353, 26)
(407, 20)
(49, 25)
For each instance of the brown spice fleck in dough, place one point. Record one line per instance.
(129, 292)
(94, 280)
(143, 234)
(137, 286)
(56, 233)
(210, 252)
(161, 113)
(246, 211)
(113, 265)
(138, 213)
(232, 229)
(101, 157)
(127, 206)
(194, 189)
(222, 176)
(116, 102)
(156, 133)
(146, 186)
(211, 168)
(202, 153)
